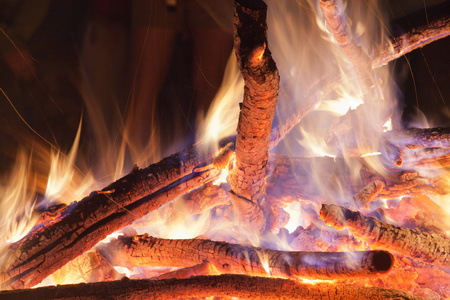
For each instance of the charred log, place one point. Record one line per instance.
(425, 247)
(83, 224)
(229, 258)
(241, 286)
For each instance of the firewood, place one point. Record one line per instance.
(425, 247)
(240, 286)
(419, 212)
(368, 193)
(337, 23)
(204, 268)
(260, 97)
(416, 138)
(436, 26)
(429, 158)
(291, 180)
(83, 224)
(237, 259)
(91, 266)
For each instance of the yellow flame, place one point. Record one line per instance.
(63, 184)
(264, 260)
(221, 119)
(317, 281)
(17, 200)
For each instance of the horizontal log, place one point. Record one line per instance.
(237, 259)
(240, 286)
(422, 246)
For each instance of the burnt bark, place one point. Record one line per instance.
(81, 225)
(425, 247)
(229, 258)
(241, 286)
(260, 98)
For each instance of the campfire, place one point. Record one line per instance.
(364, 217)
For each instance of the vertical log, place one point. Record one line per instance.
(260, 98)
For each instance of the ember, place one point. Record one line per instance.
(369, 222)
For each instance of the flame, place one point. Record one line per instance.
(264, 260)
(223, 177)
(222, 116)
(63, 184)
(316, 281)
(18, 200)
(297, 217)
(340, 106)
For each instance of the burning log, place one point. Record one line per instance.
(337, 23)
(425, 247)
(368, 193)
(416, 138)
(89, 267)
(204, 268)
(28, 270)
(418, 212)
(290, 179)
(420, 35)
(260, 98)
(83, 224)
(240, 286)
(429, 158)
(237, 259)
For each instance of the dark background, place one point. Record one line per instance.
(52, 104)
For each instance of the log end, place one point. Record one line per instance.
(382, 261)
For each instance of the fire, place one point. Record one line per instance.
(65, 181)
(221, 119)
(341, 141)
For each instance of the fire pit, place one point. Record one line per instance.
(367, 220)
